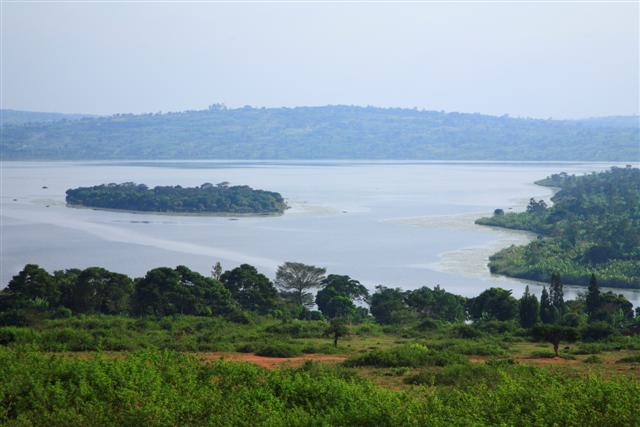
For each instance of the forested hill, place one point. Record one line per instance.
(331, 132)
(18, 117)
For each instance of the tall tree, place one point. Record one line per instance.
(296, 280)
(556, 293)
(529, 309)
(593, 298)
(547, 314)
(216, 271)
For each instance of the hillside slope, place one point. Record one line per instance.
(331, 132)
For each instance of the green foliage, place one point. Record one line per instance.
(387, 305)
(336, 298)
(493, 303)
(593, 359)
(529, 309)
(278, 350)
(630, 359)
(437, 303)
(328, 132)
(592, 227)
(554, 334)
(408, 355)
(252, 290)
(206, 198)
(165, 291)
(164, 388)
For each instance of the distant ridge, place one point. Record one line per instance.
(19, 117)
(329, 132)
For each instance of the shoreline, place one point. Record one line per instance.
(177, 213)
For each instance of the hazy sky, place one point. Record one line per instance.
(524, 59)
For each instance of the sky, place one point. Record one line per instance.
(533, 59)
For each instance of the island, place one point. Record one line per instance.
(205, 199)
(593, 226)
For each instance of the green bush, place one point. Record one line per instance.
(408, 355)
(592, 359)
(165, 388)
(278, 350)
(630, 359)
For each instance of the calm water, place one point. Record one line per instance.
(404, 224)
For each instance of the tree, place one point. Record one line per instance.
(494, 303)
(338, 327)
(216, 271)
(35, 282)
(554, 334)
(165, 291)
(529, 309)
(336, 298)
(252, 290)
(547, 314)
(387, 305)
(536, 208)
(498, 212)
(296, 279)
(437, 303)
(97, 290)
(556, 293)
(593, 298)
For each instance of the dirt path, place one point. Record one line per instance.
(272, 362)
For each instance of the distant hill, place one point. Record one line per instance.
(17, 117)
(331, 132)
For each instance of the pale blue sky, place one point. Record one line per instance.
(558, 60)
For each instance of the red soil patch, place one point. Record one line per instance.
(272, 362)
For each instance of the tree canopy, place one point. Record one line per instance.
(206, 198)
(592, 227)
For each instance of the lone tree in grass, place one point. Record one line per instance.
(295, 280)
(554, 334)
(337, 328)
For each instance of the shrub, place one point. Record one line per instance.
(408, 355)
(278, 350)
(630, 359)
(593, 359)
(465, 331)
(597, 331)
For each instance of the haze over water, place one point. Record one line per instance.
(404, 224)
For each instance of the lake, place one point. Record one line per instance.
(400, 224)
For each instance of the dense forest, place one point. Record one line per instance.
(330, 132)
(207, 198)
(97, 347)
(593, 226)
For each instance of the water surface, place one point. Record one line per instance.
(404, 224)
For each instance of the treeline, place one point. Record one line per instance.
(592, 227)
(329, 132)
(220, 198)
(239, 293)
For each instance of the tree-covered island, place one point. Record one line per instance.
(593, 226)
(207, 198)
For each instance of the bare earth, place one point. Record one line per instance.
(271, 362)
